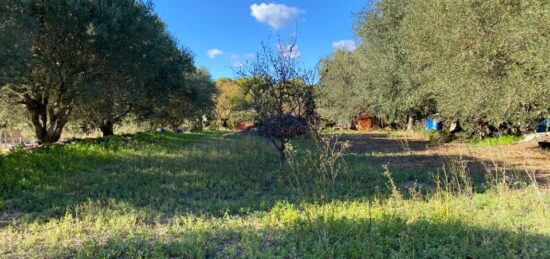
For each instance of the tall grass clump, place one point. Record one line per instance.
(315, 168)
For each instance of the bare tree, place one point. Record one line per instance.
(282, 91)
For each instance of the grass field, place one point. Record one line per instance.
(217, 195)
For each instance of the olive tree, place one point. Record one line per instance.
(485, 61)
(96, 61)
(376, 77)
(342, 93)
(58, 59)
(136, 62)
(394, 91)
(188, 101)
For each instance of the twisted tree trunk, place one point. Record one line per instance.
(410, 123)
(48, 121)
(107, 128)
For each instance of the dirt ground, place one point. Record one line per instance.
(412, 152)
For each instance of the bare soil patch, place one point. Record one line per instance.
(414, 153)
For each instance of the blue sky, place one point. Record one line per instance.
(223, 34)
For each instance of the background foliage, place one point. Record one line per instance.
(481, 63)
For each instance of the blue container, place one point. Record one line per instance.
(544, 126)
(435, 125)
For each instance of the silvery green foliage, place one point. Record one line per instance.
(15, 42)
(137, 66)
(342, 93)
(376, 77)
(487, 64)
(55, 60)
(93, 61)
(482, 63)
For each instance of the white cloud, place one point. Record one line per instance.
(214, 53)
(240, 61)
(289, 51)
(275, 15)
(348, 45)
(236, 61)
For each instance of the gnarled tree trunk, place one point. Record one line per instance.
(107, 128)
(410, 123)
(48, 121)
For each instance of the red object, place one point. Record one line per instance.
(366, 122)
(245, 125)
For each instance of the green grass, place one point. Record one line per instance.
(495, 141)
(213, 195)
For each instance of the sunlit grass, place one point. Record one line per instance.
(494, 141)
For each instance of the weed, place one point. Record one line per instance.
(318, 166)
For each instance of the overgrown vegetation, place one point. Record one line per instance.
(212, 195)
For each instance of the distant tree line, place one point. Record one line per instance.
(96, 62)
(483, 64)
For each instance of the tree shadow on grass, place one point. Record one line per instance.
(215, 181)
(381, 143)
(416, 159)
(384, 237)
